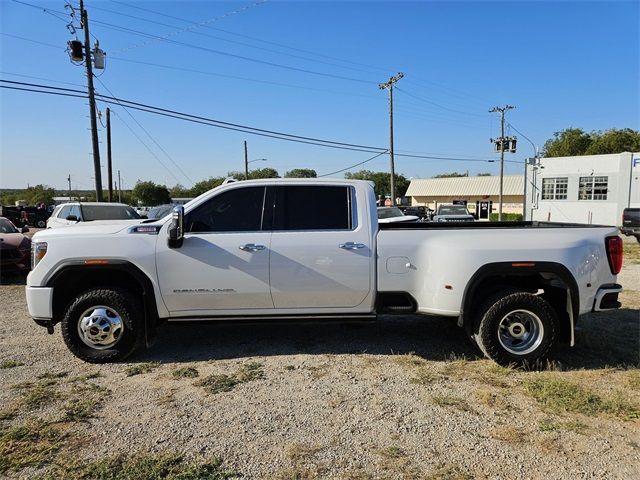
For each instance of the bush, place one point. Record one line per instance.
(506, 217)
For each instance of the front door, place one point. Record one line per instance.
(321, 255)
(223, 263)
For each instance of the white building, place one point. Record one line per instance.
(584, 189)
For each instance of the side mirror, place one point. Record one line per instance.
(72, 218)
(144, 216)
(176, 229)
(24, 229)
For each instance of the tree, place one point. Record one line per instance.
(483, 174)
(574, 141)
(205, 185)
(39, 193)
(382, 181)
(614, 141)
(450, 175)
(258, 173)
(301, 173)
(179, 191)
(150, 194)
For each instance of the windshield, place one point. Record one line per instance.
(7, 227)
(452, 210)
(108, 212)
(390, 212)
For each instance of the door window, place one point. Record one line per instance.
(65, 212)
(313, 208)
(75, 210)
(237, 210)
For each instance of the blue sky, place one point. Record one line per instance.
(561, 64)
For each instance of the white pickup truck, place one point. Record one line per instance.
(313, 249)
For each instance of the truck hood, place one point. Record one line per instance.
(97, 227)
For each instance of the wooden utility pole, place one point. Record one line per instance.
(109, 165)
(69, 180)
(502, 142)
(389, 86)
(119, 188)
(92, 101)
(246, 161)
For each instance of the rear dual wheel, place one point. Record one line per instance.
(516, 328)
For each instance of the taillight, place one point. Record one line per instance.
(614, 253)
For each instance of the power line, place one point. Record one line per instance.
(147, 132)
(230, 126)
(439, 105)
(353, 166)
(231, 55)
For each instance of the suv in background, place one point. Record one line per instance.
(72, 213)
(631, 222)
(453, 213)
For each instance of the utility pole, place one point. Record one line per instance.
(119, 188)
(109, 172)
(246, 161)
(389, 86)
(84, 18)
(502, 143)
(69, 180)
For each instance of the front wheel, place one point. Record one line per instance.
(103, 325)
(41, 223)
(516, 328)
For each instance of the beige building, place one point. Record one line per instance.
(480, 194)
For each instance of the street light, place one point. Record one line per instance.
(246, 166)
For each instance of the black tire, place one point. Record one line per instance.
(41, 223)
(129, 311)
(529, 315)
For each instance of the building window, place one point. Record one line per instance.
(593, 188)
(554, 188)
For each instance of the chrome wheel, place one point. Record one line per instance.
(520, 332)
(100, 327)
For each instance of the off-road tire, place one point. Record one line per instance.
(496, 308)
(130, 311)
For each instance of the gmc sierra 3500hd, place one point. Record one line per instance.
(313, 249)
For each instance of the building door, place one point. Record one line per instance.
(484, 211)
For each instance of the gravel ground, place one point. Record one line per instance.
(405, 397)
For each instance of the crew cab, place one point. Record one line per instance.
(290, 249)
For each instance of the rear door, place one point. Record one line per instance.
(321, 254)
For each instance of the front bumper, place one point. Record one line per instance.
(40, 302)
(607, 298)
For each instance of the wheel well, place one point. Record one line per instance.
(551, 286)
(73, 280)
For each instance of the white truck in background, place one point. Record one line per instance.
(313, 249)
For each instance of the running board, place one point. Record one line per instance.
(277, 318)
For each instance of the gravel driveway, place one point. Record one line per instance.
(405, 397)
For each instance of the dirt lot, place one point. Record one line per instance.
(401, 398)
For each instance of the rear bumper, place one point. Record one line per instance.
(607, 298)
(40, 302)
(630, 230)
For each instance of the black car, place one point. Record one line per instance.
(631, 222)
(23, 216)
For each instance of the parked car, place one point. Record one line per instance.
(72, 213)
(452, 213)
(22, 216)
(14, 248)
(251, 250)
(393, 215)
(421, 212)
(160, 211)
(631, 222)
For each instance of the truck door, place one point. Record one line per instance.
(320, 250)
(223, 263)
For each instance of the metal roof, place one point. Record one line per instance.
(465, 186)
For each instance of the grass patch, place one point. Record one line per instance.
(425, 376)
(393, 451)
(186, 372)
(142, 467)
(631, 253)
(509, 434)
(562, 396)
(29, 445)
(80, 409)
(225, 383)
(409, 360)
(449, 400)
(10, 364)
(38, 394)
(491, 399)
(52, 376)
(448, 472)
(305, 464)
(633, 380)
(548, 425)
(141, 368)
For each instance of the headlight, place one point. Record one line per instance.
(38, 251)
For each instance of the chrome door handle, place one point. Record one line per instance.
(352, 246)
(251, 247)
